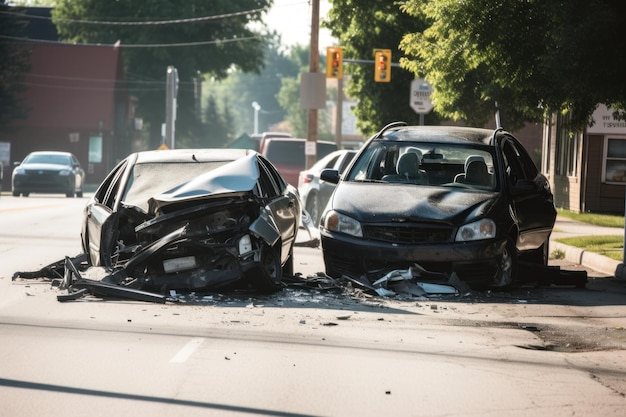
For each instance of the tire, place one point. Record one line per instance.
(313, 208)
(270, 263)
(16, 194)
(70, 194)
(25, 194)
(288, 267)
(79, 193)
(507, 267)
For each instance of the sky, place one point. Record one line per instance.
(292, 19)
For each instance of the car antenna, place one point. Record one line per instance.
(390, 126)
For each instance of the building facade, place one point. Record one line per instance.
(587, 170)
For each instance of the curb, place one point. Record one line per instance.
(591, 260)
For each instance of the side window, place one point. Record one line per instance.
(106, 193)
(513, 163)
(271, 183)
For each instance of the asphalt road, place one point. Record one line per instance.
(305, 351)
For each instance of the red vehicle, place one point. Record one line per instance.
(287, 155)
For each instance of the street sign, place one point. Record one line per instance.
(420, 96)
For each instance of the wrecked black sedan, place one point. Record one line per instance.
(192, 219)
(456, 201)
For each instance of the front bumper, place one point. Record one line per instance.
(475, 262)
(44, 183)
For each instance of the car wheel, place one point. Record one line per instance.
(507, 266)
(16, 194)
(313, 208)
(271, 278)
(70, 194)
(25, 194)
(288, 267)
(79, 193)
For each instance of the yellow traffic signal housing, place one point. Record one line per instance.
(382, 68)
(334, 62)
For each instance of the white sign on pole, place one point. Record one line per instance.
(420, 96)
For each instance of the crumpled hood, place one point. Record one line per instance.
(237, 177)
(369, 202)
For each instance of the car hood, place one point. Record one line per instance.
(47, 167)
(370, 202)
(237, 177)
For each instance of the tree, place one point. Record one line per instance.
(14, 65)
(240, 89)
(361, 26)
(530, 57)
(168, 32)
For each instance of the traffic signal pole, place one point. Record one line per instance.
(314, 63)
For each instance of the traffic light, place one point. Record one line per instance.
(334, 62)
(382, 62)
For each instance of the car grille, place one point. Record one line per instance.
(411, 233)
(42, 176)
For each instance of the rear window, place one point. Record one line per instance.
(292, 152)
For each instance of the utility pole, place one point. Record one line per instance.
(314, 63)
(171, 92)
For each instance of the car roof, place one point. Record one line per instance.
(284, 139)
(50, 153)
(447, 134)
(185, 155)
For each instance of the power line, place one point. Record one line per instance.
(118, 44)
(137, 23)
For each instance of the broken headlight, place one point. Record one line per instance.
(337, 222)
(481, 229)
(245, 245)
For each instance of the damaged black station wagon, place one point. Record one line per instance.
(451, 200)
(192, 219)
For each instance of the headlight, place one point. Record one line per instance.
(19, 171)
(481, 229)
(337, 222)
(65, 172)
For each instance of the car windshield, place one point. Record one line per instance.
(42, 158)
(151, 179)
(427, 163)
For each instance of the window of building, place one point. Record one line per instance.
(566, 163)
(614, 169)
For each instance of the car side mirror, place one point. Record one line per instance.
(523, 186)
(330, 175)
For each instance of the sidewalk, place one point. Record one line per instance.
(565, 227)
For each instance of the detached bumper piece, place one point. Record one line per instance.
(78, 287)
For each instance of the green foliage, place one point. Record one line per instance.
(362, 26)
(597, 219)
(610, 245)
(240, 89)
(234, 45)
(14, 65)
(528, 56)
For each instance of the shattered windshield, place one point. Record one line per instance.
(151, 179)
(427, 163)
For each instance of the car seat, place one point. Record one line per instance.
(408, 170)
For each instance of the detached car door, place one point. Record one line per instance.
(99, 233)
(283, 203)
(531, 198)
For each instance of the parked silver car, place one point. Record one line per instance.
(315, 193)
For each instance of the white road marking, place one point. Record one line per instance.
(187, 350)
